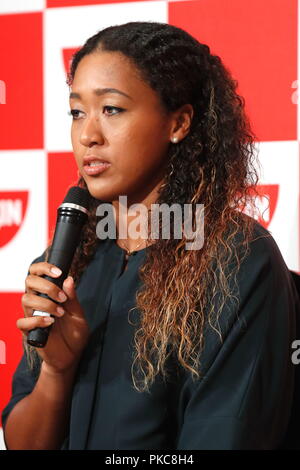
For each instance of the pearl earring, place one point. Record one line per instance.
(174, 140)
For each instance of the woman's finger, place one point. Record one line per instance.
(36, 284)
(32, 302)
(27, 324)
(45, 268)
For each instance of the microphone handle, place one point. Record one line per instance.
(67, 235)
(38, 337)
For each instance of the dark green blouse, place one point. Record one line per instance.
(243, 400)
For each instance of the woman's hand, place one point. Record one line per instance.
(69, 333)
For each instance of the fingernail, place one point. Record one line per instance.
(56, 271)
(60, 310)
(62, 296)
(49, 320)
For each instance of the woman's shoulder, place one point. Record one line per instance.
(263, 239)
(261, 287)
(261, 249)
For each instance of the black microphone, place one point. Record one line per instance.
(71, 216)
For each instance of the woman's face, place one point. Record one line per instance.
(117, 117)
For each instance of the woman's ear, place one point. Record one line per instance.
(181, 123)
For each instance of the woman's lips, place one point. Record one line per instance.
(95, 167)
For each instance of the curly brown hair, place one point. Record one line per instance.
(214, 165)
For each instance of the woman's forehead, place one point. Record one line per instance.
(102, 71)
(114, 65)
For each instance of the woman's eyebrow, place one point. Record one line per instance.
(99, 92)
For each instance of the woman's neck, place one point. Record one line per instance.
(132, 222)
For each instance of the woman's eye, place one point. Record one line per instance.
(112, 110)
(108, 110)
(74, 113)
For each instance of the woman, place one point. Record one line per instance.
(156, 346)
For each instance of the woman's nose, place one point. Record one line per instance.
(91, 132)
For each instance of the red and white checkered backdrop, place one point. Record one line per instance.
(257, 41)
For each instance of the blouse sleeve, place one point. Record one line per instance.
(244, 398)
(24, 378)
(23, 382)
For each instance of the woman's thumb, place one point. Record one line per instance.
(69, 288)
(72, 304)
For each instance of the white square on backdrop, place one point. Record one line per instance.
(21, 6)
(23, 171)
(69, 28)
(280, 166)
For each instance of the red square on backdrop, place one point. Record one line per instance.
(11, 343)
(21, 117)
(62, 174)
(259, 45)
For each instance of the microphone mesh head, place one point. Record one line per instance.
(77, 195)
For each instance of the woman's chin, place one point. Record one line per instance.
(101, 195)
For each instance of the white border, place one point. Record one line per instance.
(2, 443)
(21, 6)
